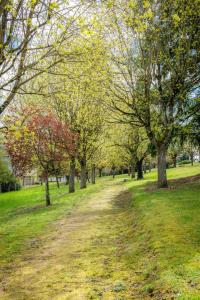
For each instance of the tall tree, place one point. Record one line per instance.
(135, 142)
(31, 35)
(156, 67)
(38, 141)
(82, 87)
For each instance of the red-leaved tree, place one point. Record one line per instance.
(40, 141)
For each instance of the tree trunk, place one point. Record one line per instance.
(162, 166)
(66, 179)
(47, 195)
(145, 167)
(57, 182)
(113, 173)
(133, 169)
(72, 175)
(129, 171)
(87, 176)
(174, 161)
(149, 167)
(100, 172)
(139, 169)
(93, 175)
(192, 158)
(83, 173)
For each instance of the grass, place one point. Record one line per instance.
(166, 243)
(23, 215)
(149, 249)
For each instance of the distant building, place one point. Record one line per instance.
(30, 178)
(197, 156)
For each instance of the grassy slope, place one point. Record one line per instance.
(23, 215)
(166, 241)
(159, 238)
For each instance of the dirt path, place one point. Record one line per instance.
(80, 258)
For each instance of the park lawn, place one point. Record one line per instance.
(158, 242)
(164, 248)
(24, 216)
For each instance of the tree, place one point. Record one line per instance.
(191, 133)
(42, 141)
(31, 35)
(8, 181)
(156, 68)
(135, 143)
(79, 102)
(174, 150)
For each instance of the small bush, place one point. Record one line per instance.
(9, 186)
(184, 162)
(8, 182)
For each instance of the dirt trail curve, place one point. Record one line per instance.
(80, 258)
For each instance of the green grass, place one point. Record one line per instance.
(23, 215)
(159, 234)
(165, 247)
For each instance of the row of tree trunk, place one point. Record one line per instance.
(84, 174)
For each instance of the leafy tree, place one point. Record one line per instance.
(156, 67)
(31, 35)
(8, 181)
(135, 143)
(174, 150)
(79, 102)
(42, 141)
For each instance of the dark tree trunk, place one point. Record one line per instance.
(192, 158)
(100, 172)
(139, 169)
(47, 194)
(57, 182)
(149, 167)
(113, 173)
(93, 175)
(174, 161)
(133, 169)
(162, 166)
(72, 175)
(129, 171)
(66, 179)
(83, 173)
(87, 176)
(145, 167)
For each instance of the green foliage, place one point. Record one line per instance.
(184, 162)
(7, 180)
(5, 173)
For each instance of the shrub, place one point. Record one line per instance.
(8, 182)
(184, 162)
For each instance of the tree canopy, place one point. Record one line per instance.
(123, 76)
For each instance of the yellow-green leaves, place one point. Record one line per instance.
(176, 19)
(110, 3)
(132, 4)
(53, 5)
